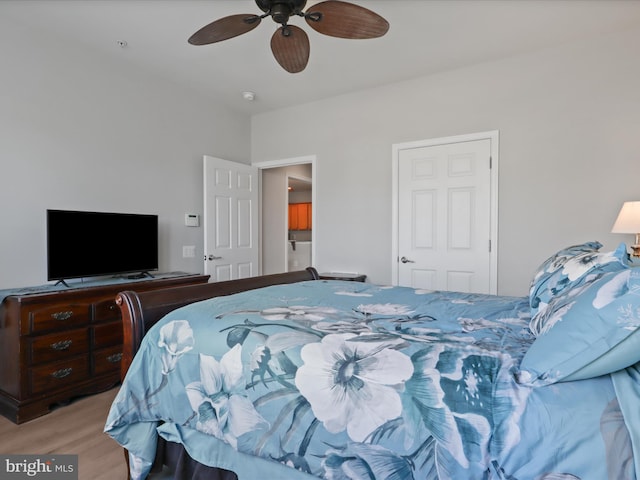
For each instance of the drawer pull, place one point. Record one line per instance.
(63, 372)
(62, 345)
(115, 358)
(62, 315)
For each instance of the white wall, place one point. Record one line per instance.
(82, 132)
(77, 131)
(569, 122)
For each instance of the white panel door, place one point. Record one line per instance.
(444, 216)
(230, 220)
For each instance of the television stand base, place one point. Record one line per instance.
(61, 281)
(137, 276)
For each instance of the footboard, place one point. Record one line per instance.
(142, 310)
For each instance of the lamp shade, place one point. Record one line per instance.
(628, 220)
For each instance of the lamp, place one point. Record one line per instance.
(628, 221)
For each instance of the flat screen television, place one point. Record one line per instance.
(89, 244)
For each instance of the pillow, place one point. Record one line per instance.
(587, 331)
(553, 264)
(575, 271)
(567, 267)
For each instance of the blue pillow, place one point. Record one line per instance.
(587, 331)
(567, 268)
(575, 271)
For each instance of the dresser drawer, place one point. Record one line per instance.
(57, 317)
(57, 346)
(107, 360)
(53, 376)
(107, 334)
(106, 310)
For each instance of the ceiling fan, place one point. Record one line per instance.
(290, 44)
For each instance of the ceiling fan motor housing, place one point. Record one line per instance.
(281, 10)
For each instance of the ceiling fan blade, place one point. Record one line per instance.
(225, 28)
(290, 47)
(345, 20)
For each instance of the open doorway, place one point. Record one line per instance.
(277, 250)
(300, 222)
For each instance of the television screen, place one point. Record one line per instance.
(88, 244)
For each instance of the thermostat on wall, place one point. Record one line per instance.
(191, 220)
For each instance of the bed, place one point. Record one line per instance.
(292, 377)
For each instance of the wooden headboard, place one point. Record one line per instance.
(142, 310)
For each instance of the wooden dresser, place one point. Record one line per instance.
(61, 344)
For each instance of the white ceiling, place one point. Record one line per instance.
(425, 37)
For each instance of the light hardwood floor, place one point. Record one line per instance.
(76, 429)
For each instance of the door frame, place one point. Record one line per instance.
(263, 165)
(494, 138)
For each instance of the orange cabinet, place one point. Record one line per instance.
(300, 216)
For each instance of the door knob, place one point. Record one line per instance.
(213, 257)
(406, 260)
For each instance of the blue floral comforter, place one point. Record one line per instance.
(345, 380)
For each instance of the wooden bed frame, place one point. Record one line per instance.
(142, 310)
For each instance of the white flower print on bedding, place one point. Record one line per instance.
(298, 312)
(390, 309)
(219, 399)
(612, 290)
(577, 266)
(352, 385)
(176, 338)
